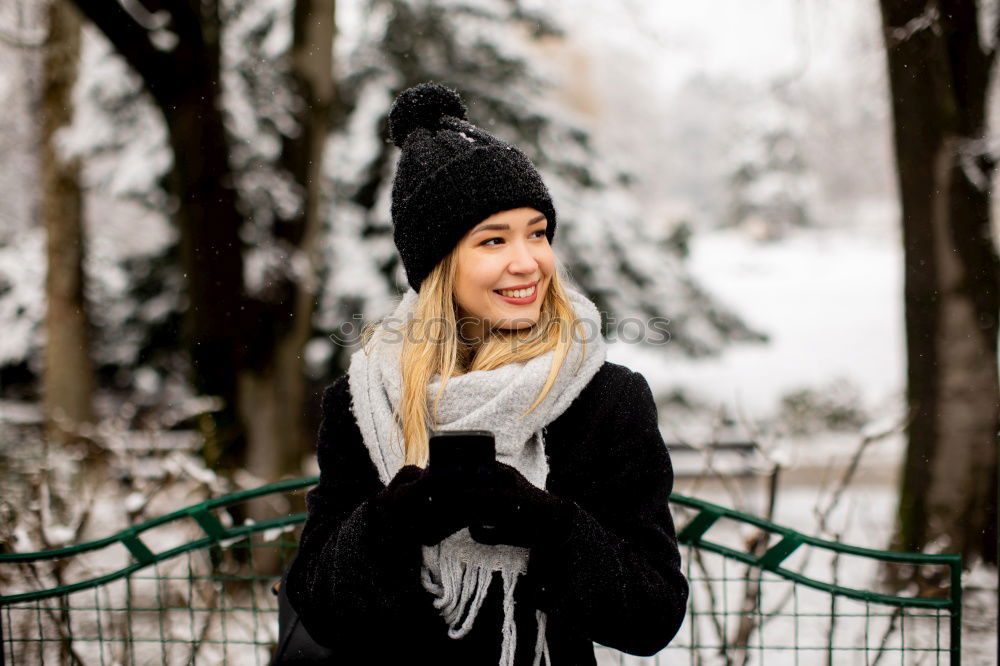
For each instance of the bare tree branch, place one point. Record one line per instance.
(157, 68)
(823, 514)
(23, 40)
(929, 19)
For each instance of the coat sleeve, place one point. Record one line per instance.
(350, 573)
(617, 576)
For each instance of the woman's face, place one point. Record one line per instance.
(506, 250)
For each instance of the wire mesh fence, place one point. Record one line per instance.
(761, 593)
(209, 605)
(743, 615)
(192, 587)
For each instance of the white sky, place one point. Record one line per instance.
(748, 40)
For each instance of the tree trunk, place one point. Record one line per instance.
(938, 77)
(216, 323)
(184, 82)
(247, 351)
(272, 387)
(68, 376)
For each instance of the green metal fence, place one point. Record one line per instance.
(191, 587)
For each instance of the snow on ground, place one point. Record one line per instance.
(832, 305)
(830, 302)
(979, 619)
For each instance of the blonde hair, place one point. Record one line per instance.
(432, 345)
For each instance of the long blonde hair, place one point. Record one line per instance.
(437, 348)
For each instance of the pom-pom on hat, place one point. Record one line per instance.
(451, 175)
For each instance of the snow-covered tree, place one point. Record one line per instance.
(144, 169)
(771, 183)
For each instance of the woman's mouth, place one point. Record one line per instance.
(518, 296)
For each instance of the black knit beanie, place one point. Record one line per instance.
(450, 177)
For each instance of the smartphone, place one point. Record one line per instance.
(461, 450)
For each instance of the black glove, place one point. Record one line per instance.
(507, 508)
(423, 506)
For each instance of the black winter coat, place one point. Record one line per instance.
(616, 580)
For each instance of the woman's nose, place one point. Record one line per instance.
(522, 260)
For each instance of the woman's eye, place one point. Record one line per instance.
(489, 241)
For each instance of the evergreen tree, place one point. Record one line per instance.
(771, 183)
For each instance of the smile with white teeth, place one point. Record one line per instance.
(517, 293)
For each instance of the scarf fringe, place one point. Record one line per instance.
(460, 593)
(541, 641)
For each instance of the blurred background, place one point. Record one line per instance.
(194, 227)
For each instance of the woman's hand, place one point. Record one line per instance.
(426, 507)
(498, 506)
(507, 508)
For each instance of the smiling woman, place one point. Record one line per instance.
(565, 539)
(503, 270)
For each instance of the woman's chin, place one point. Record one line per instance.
(516, 324)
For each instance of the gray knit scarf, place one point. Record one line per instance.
(458, 570)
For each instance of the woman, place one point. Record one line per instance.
(567, 540)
